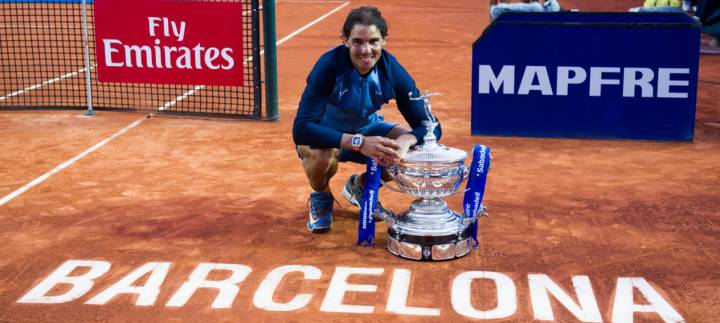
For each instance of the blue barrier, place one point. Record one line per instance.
(587, 75)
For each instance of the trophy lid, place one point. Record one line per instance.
(434, 154)
(430, 152)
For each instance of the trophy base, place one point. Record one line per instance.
(429, 231)
(429, 248)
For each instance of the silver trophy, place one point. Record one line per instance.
(429, 230)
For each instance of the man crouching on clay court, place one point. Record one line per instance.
(338, 120)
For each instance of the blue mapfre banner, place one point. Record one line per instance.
(587, 75)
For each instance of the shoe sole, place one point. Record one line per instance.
(319, 229)
(349, 197)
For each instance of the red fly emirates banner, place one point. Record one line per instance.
(169, 42)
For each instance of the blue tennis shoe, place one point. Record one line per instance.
(353, 193)
(320, 215)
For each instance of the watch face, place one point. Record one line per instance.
(356, 141)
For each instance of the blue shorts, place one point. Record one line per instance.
(380, 128)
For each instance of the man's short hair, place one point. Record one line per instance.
(367, 16)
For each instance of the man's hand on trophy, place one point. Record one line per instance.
(406, 141)
(385, 151)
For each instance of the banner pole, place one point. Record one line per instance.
(88, 87)
(271, 100)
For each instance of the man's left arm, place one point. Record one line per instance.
(412, 110)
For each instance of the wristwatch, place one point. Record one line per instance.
(356, 141)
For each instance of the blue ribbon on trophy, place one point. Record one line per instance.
(472, 202)
(366, 226)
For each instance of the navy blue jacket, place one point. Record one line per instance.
(334, 83)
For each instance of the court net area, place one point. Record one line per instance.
(43, 66)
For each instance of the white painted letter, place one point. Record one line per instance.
(597, 80)
(540, 285)
(185, 58)
(138, 52)
(152, 25)
(146, 294)
(527, 83)
(166, 28)
(264, 295)
(338, 287)
(630, 82)
(226, 54)
(664, 82)
(198, 279)
(564, 79)
(397, 300)
(506, 299)
(198, 50)
(506, 78)
(80, 284)
(109, 51)
(624, 306)
(180, 34)
(211, 55)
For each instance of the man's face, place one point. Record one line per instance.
(365, 44)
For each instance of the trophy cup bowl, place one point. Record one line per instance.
(429, 230)
(432, 175)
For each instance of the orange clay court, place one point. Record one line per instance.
(638, 221)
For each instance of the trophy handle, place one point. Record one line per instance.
(390, 187)
(386, 215)
(391, 171)
(466, 174)
(481, 212)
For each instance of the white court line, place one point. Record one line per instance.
(181, 97)
(69, 162)
(311, 23)
(30, 88)
(122, 131)
(284, 39)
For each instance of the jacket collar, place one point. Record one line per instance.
(348, 81)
